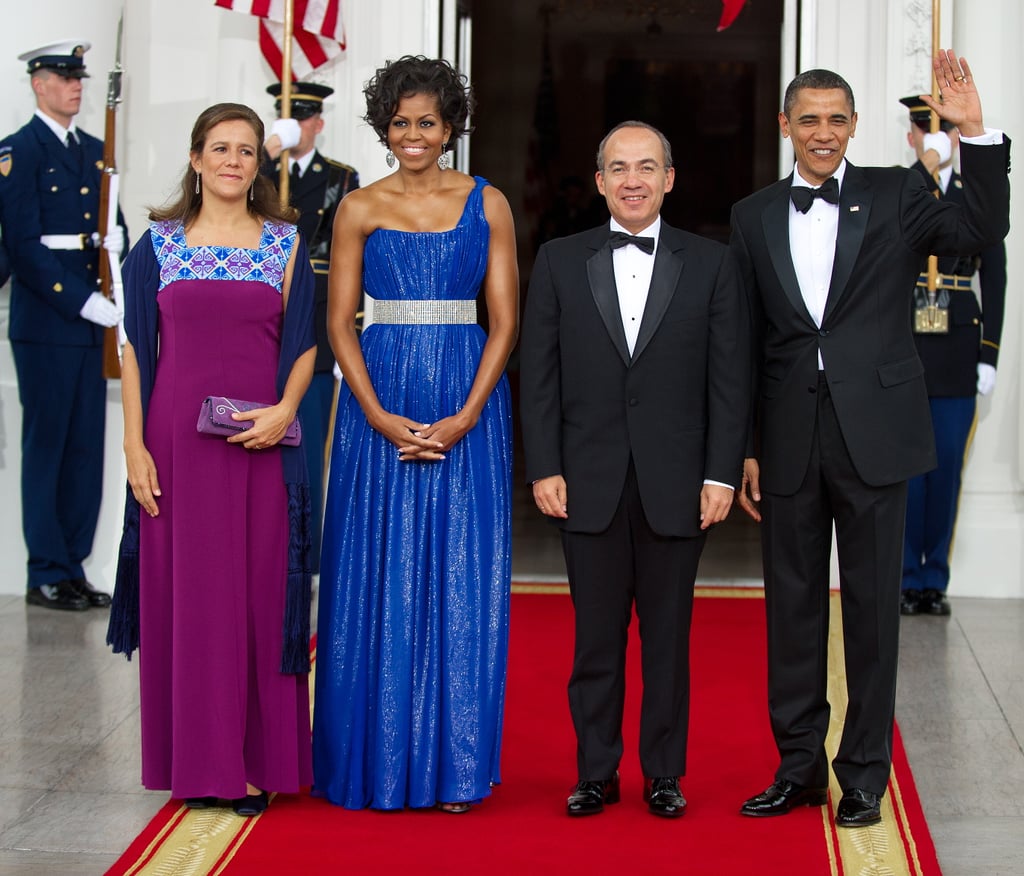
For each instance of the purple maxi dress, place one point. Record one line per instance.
(217, 712)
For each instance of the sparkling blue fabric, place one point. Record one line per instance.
(415, 572)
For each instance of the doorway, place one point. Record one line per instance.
(551, 77)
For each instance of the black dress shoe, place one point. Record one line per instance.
(95, 598)
(251, 804)
(588, 798)
(910, 602)
(858, 808)
(934, 602)
(781, 796)
(201, 802)
(61, 596)
(664, 797)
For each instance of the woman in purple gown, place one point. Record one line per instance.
(415, 573)
(218, 302)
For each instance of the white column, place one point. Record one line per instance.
(988, 556)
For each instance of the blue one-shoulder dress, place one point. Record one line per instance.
(415, 574)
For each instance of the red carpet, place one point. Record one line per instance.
(522, 828)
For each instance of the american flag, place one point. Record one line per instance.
(730, 9)
(318, 34)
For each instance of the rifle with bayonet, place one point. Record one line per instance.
(110, 269)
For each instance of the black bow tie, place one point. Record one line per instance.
(803, 197)
(620, 238)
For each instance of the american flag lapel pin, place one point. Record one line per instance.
(855, 208)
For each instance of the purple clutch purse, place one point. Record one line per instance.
(215, 418)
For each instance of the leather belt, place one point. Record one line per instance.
(70, 241)
(946, 281)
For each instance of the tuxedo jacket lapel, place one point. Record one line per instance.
(602, 286)
(775, 222)
(668, 265)
(854, 209)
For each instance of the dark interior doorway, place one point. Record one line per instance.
(553, 76)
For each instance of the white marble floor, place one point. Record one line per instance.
(70, 801)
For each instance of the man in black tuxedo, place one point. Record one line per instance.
(829, 256)
(634, 378)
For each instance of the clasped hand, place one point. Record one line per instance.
(423, 442)
(268, 427)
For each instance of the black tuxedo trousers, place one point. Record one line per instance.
(609, 572)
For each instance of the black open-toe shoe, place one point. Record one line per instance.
(251, 804)
(201, 802)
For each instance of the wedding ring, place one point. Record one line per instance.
(959, 78)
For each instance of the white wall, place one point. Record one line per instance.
(179, 58)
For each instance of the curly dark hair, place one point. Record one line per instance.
(264, 202)
(415, 74)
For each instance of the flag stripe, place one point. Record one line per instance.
(331, 24)
(318, 36)
(730, 10)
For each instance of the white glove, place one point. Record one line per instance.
(986, 378)
(337, 371)
(101, 310)
(940, 142)
(114, 241)
(287, 131)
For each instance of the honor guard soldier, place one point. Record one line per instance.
(958, 342)
(316, 187)
(49, 205)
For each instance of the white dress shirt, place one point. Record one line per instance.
(633, 270)
(303, 163)
(59, 131)
(812, 245)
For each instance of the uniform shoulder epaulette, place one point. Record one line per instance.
(340, 164)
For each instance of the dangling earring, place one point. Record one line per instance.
(252, 190)
(444, 160)
(198, 177)
(389, 157)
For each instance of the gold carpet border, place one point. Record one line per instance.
(878, 850)
(195, 842)
(157, 841)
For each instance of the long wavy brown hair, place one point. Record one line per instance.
(264, 202)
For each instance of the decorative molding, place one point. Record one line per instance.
(918, 45)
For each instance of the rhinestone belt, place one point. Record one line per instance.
(458, 311)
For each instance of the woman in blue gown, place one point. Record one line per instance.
(415, 572)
